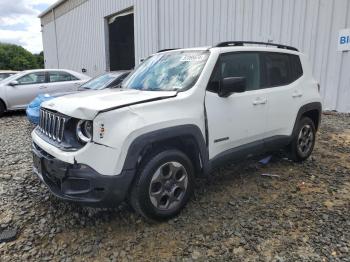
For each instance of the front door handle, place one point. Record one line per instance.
(263, 101)
(42, 87)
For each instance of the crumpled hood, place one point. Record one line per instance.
(86, 105)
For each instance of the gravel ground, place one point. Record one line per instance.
(235, 214)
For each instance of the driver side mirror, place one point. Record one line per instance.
(231, 85)
(14, 83)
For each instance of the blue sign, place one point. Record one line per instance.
(344, 40)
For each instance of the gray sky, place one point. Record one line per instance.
(19, 22)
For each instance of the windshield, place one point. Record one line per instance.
(174, 71)
(99, 82)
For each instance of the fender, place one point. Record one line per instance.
(191, 132)
(306, 108)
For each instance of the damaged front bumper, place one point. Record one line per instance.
(80, 183)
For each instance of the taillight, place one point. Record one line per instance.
(318, 87)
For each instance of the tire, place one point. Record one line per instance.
(2, 109)
(303, 141)
(163, 186)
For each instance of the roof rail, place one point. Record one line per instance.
(169, 49)
(242, 43)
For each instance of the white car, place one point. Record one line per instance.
(6, 73)
(18, 90)
(180, 114)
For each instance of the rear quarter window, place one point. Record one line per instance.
(61, 77)
(280, 69)
(297, 69)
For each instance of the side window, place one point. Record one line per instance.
(237, 65)
(297, 69)
(277, 69)
(32, 78)
(61, 77)
(280, 69)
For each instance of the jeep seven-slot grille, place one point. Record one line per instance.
(52, 125)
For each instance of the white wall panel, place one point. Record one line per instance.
(310, 25)
(343, 79)
(49, 43)
(81, 36)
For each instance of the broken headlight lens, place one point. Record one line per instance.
(84, 130)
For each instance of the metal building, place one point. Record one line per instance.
(100, 35)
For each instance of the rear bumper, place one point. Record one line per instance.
(80, 183)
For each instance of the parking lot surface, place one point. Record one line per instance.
(294, 212)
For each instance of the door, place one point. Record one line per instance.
(121, 42)
(60, 81)
(240, 119)
(282, 74)
(28, 87)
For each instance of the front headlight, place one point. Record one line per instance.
(84, 130)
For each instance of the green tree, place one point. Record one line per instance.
(40, 59)
(14, 57)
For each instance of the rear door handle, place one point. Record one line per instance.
(297, 94)
(42, 87)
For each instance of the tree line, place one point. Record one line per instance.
(14, 57)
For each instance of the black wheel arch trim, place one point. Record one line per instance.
(307, 108)
(188, 131)
(4, 103)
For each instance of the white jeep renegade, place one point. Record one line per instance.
(179, 115)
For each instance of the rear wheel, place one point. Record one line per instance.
(2, 108)
(164, 185)
(303, 141)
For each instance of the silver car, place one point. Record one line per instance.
(17, 91)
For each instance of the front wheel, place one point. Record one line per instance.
(303, 141)
(163, 186)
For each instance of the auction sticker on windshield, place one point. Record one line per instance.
(193, 58)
